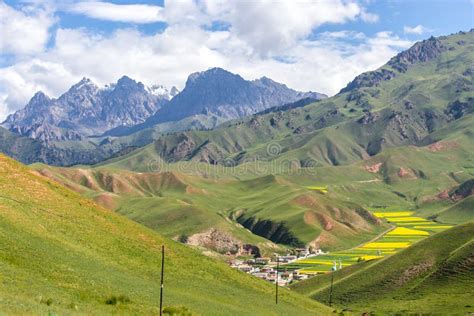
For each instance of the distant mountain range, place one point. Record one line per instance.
(414, 99)
(223, 95)
(128, 106)
(86, 110)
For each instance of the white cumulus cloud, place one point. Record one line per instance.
(273, 26)
(133, 13)
(419, 29)
(23, 32)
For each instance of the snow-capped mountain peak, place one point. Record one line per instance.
(162, 91)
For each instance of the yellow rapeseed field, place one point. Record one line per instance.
(311, 271)
(408, 230)
(419, 223)
(383, 245)
(318, 188)
(393, 214)
(370, 257)
(406, 219)
(322, 262)
(401, 231)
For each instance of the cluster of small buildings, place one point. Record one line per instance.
(265, 268)
(269, 273)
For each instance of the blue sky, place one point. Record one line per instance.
(440, 17)
(313, 45)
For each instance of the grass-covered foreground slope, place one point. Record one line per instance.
(62, 254)
(433, 276)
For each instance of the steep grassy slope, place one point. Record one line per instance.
(460, 212)
(63, 254)
(433, 276)
(463, 209)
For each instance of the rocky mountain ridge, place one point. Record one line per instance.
(127, 106)
(219, 93)
(86, 110)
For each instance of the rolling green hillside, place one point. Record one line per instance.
(433, 276)
(183, 204)
(183, 199)
(63, 254)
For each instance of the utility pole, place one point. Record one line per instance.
(330, 291)
(162, 278)
(276, 280)
(334, 268)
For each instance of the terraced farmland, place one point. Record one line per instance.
(406, 230)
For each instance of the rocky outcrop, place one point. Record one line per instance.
(274, 231)
(420, 52)
(369, 79)
(458, 109)
(215, 240)
(464, 190)
(223, 243)
(374, 168)
(369, 118)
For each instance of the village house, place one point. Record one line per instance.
(262, 260)
(246, 268)
(287, 258)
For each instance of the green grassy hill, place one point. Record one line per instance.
(185, 198)
(433, 276)
(62, 254)
(176, 203)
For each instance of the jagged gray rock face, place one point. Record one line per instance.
(420, 52)
(226, 95)
(86, 110)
